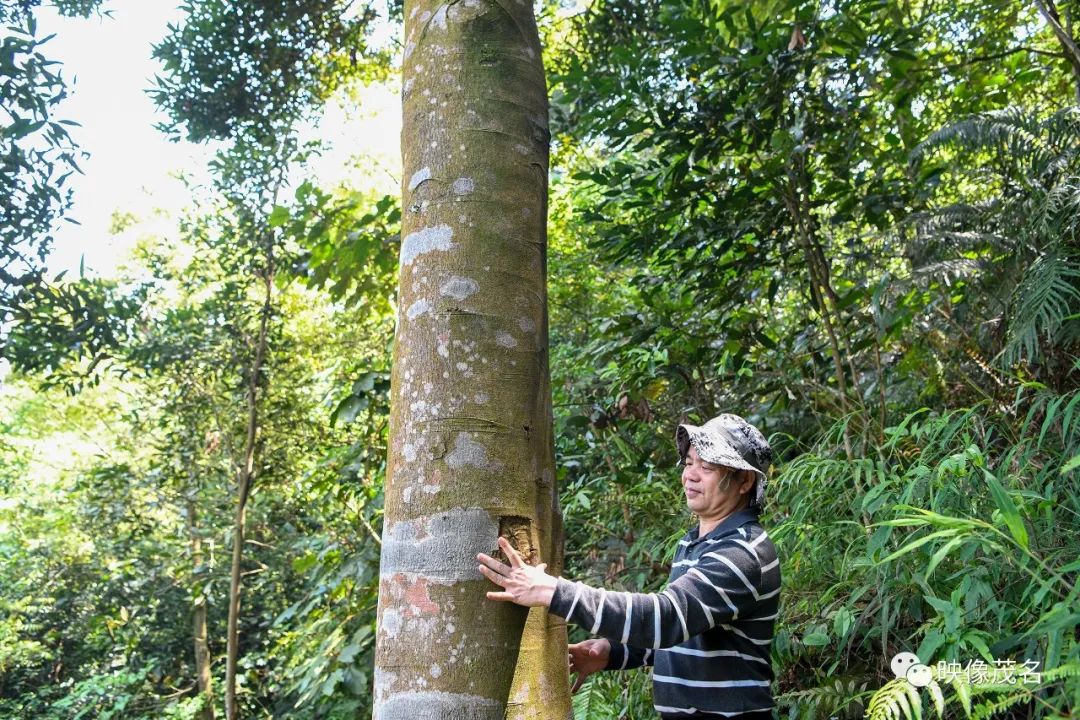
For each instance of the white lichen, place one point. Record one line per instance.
(419, 177)
(417, 309)
(426, 240)
(439, 19)
(463, 186)
(468, 452)
(459, 288)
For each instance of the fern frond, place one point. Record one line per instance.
(962, 691)
(938, 697)
(826, 700)
(1061, 671)
(591, 701)
(949, 270)
(1044, 147)
(896, 700)
(986, 710)
(1045, 297)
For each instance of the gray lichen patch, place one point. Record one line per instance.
(425, 240)
(418, 308)
(439, 19)
(459, 288)
(443, 546)
(468, 452)
(439, 706)
(419, 177)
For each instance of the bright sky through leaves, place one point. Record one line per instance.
(133, 169)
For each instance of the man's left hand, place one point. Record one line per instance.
(522, 584)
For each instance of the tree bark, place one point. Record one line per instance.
(245, 476)
(200, 634)
(471, 454)
(1050, 13)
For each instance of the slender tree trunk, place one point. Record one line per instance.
(471, 453)
(802, 237)
(200, 634)
(1048, 9)
(245, 476)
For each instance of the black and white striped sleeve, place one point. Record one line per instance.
(627, 657)
(722, 585)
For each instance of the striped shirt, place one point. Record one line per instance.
(706, 634)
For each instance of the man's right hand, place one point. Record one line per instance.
(588, 657)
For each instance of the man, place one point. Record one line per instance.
(707, 633)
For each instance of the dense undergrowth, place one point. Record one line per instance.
(956, 540)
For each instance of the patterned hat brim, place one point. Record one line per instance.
(713, 447)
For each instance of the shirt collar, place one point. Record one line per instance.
(731, 522)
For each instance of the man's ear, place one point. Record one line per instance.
(746, 480)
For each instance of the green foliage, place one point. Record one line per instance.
(980, 571)
(855, 223)
(345, 247)
(853, 227)
(900, 699)
(37, 153)
(64, 331)
(621, 696)
(247, 69)
(833, 699)
(1026, 221)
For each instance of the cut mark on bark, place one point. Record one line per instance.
(518, 530)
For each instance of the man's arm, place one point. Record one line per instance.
(592, 656)
(627, 657)
(724, 585)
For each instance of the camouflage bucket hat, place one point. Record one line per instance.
(730, 441)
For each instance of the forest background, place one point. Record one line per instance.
(852, 221)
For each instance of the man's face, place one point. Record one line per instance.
(709, 492)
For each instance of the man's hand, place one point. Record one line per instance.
(588, 657)
(523, 584)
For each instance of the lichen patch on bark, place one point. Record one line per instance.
(459, 288)
(418, 177)
(425, 240)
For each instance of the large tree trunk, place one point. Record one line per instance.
(200, 634)
(471, 454)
